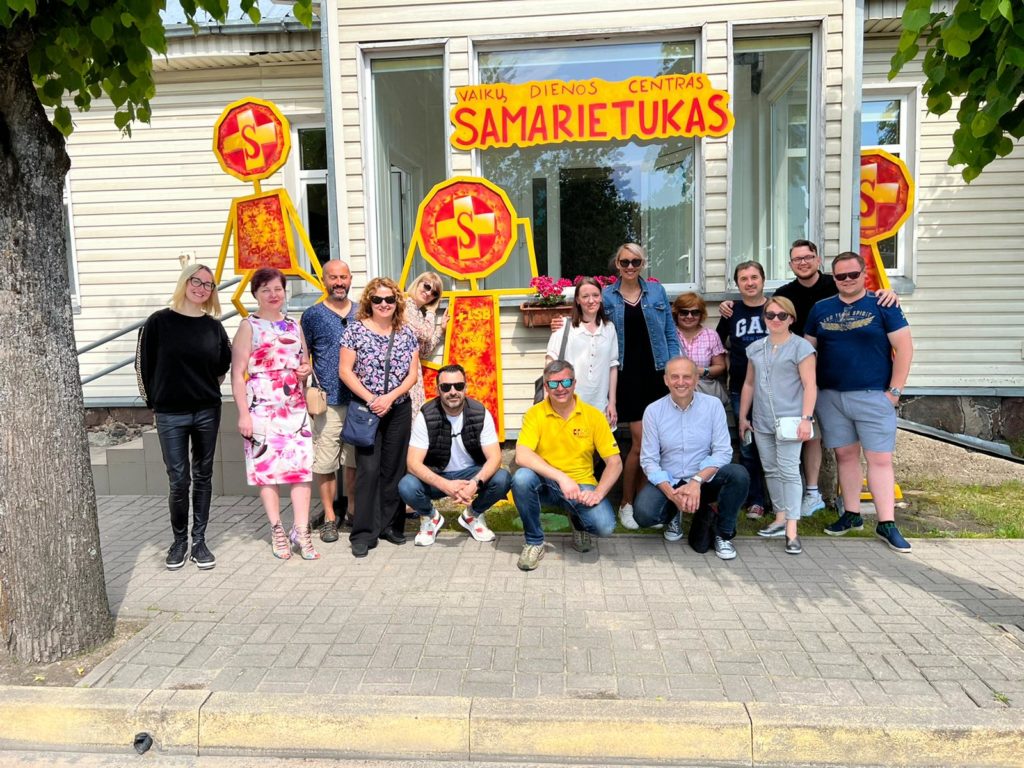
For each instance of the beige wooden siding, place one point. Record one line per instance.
(966, 308)
(461, 25)
(142, 202)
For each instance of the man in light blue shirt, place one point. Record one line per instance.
(686, 455)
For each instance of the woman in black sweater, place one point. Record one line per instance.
(181, 359)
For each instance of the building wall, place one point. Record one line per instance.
(968, 249)
(141, 204)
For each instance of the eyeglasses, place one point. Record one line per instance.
(431, 290)
(554, 384)
(688, 312)
(626, 263)
(383, 299)
(458, 386)
(801, 259)
(847, 275)
(776, 316)
(196, 282)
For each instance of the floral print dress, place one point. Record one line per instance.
(429, 334)
(283, 452)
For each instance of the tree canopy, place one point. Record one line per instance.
(975, 52)
(80, 50)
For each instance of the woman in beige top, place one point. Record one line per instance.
(422, 300)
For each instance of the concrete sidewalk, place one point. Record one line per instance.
(843, 628)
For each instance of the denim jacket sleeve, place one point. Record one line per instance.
(657, 315)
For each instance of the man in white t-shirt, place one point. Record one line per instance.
(454, 452)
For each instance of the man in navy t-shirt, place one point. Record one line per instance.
(864, 355)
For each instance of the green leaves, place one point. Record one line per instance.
(975, 52)
(83, 49)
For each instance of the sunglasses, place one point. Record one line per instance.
(802, 259)
(258, 446)
(776, 316)
(431, 290)
(383, 299)
(195, 281)
(554, 384)
(458, 386)
(626, 263)
(689, 313)
(847, 275)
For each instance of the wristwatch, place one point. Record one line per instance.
(697, 479)
(808, 418)
(895, 392)
(706, 373)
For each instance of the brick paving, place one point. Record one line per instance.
(846, 623)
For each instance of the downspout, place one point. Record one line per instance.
(858, 87)
(334, 235)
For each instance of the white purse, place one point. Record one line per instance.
(785, 427)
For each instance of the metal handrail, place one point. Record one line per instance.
(134, 327)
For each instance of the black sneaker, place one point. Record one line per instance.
(202, 556)
(176, 554)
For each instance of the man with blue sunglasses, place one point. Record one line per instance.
(555, 455)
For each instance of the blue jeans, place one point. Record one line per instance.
(530, 491)
(751, 460)
(728, 486)
(418, 494)
(176, 431)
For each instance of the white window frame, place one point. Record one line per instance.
(366, 54)
(296, 181)
(750, 30)
(75, 287)
(906, 150)
(490, 44)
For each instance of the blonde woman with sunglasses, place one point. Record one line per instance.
(421, 303)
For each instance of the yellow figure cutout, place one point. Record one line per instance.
(251, 140)
(466, 228)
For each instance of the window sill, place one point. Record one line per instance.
(903, 286)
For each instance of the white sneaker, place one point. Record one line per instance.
(724, 549)
(429, 526)
(626, 517)
(812, 502)
(476, 526)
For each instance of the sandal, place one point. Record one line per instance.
(279, 541)
(303, 540)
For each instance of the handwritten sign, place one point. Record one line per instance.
(556, 111)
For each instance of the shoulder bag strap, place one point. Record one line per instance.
(565, 340)
(387, 362)
(768, 380)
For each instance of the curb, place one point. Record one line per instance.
(471, 729)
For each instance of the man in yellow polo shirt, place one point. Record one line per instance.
(555, 454)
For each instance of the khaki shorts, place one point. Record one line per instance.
(329, 453)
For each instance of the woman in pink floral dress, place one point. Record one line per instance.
(270, 363)
(422, 300)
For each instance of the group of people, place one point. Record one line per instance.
(823, 359)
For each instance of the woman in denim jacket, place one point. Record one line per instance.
(642, 316)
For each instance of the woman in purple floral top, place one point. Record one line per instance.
(380, 513)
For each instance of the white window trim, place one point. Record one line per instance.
(909, 97)
(74, 280)
(797, 25)
(365, 54)
(491, 43)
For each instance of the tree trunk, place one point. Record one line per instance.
(53, 601)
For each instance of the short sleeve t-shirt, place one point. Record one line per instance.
(323, 329)
(854, 352)
(460, 458)
(787, 389)
(745, 326)
(569, 444)
(804, 298)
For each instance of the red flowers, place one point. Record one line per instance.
(549, 290)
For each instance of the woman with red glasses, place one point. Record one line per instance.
(182, 356)
(781, 378)
(380, 364)
(700, 344)
(421, 303)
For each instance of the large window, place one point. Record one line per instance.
(883, 125)
(313, 189)
(409, 149)
(586, 199)
(770, 204)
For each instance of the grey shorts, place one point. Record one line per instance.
(329, 453)
(864, 416)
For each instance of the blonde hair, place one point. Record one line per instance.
(435, 282)
(212, 304)
(782, 302)
(365, 305)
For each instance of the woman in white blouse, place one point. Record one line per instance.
(592, 347)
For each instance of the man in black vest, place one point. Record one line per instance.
(454, 452)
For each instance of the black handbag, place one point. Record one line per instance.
(360, 427)
(538, 385)
(702, 531)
